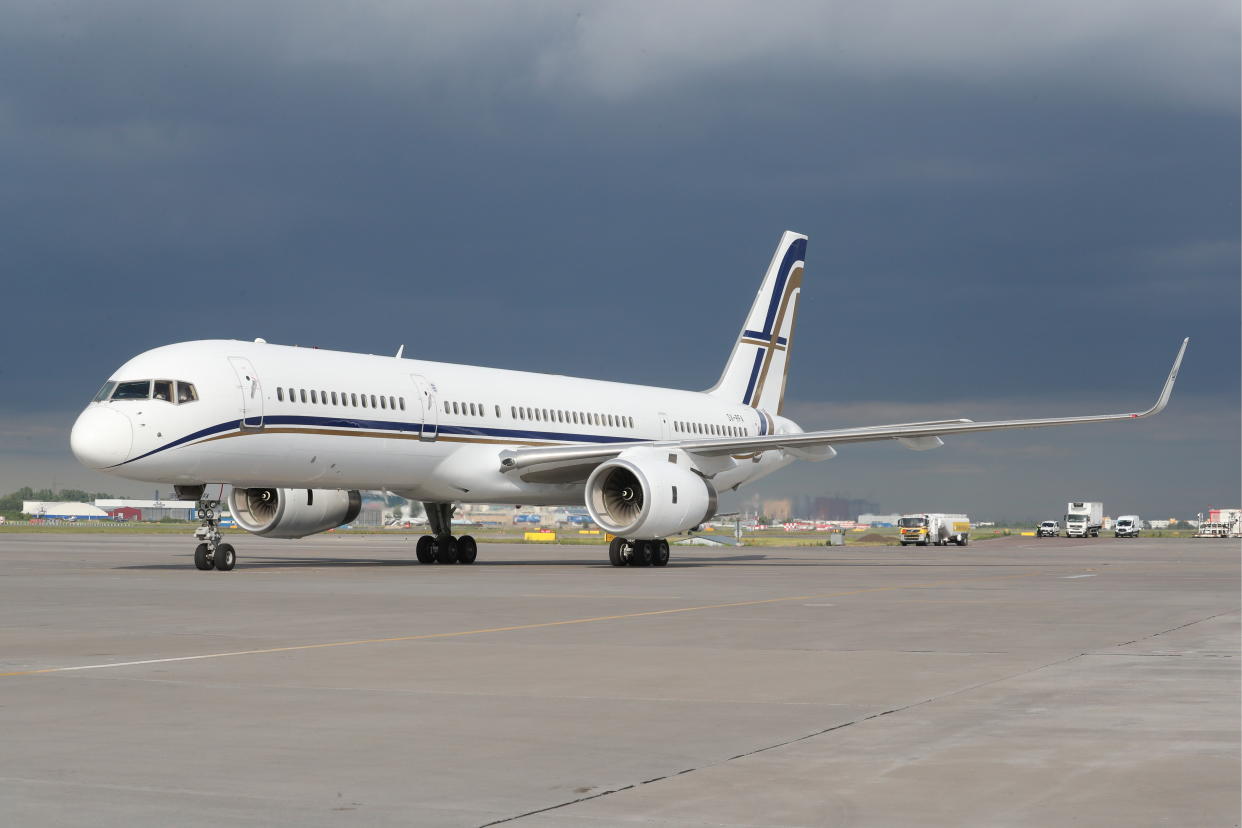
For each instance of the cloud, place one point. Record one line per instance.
(616, 51)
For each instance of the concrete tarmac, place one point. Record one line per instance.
(332, 682)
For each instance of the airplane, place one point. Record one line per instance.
(298, 432)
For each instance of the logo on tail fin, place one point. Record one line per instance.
(757, 368)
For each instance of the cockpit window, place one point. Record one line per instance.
(168, 390)
(132, 390)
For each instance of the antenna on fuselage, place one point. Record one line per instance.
(400, 351)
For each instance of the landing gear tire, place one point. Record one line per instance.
(616, 551)
(202, 557)
(425, 551)
(642, 553)
(446, 550)
(467, 549)
(659, 553)
(225, 557)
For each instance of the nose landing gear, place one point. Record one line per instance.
(211, 553)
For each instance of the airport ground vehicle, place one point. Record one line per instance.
(1083, 519)
(934, 528)
(1221, 523)
(1127, 526)
(1048, 529)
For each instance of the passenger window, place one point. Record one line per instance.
(334, 398)
(384, 403)
(314, 396)
(402, 401)
(392, 403)
(280, 395)
(373, 401)
(302, 394)
(472, 414)
(105, 392)
(455, 411)
(140, 390)
(353, 399)
(497, 412)
(364, 400)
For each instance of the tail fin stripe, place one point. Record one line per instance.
(754, 375)
(795, 253)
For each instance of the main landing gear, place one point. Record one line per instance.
(441, 546)
(211, 553)
(622, 552)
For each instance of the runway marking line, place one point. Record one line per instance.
(514, 628)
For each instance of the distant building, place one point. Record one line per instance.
(151, 509)
(835, 507)
(778, 511)
(61, 510)
(878, 520)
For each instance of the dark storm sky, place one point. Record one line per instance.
(1012, 211)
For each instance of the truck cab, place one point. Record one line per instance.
(1048, 529)
(1127, 526)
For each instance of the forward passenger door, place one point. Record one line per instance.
(425, 392)
(251, 392)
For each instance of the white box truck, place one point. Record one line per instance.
(1127, 526)
(934, 528)
(1083, 519)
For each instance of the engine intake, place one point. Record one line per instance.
(642, 496)
(293, 513)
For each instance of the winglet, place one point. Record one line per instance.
(1167, 391)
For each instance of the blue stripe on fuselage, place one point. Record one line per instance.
(389, 425)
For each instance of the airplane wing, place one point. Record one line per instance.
(567, 463)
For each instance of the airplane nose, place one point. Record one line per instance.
(101, 437)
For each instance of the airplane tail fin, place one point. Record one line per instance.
(756, 371)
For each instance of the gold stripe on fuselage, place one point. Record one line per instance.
(412, 435)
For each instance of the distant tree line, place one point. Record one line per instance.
(12, 502)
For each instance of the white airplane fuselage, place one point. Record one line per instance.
(426, 430)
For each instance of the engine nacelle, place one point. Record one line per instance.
(640, 495)
(293, 513)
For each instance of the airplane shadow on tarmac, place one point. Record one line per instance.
(269, 562)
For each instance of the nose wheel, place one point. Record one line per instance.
(211, 553)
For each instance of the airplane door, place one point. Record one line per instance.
(428, 426)
(251, 392)
(666, 433)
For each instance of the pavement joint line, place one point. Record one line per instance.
(514, 628)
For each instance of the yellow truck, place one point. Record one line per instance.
(934, 528)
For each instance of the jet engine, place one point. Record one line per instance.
(640, 495)
(293, 513)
